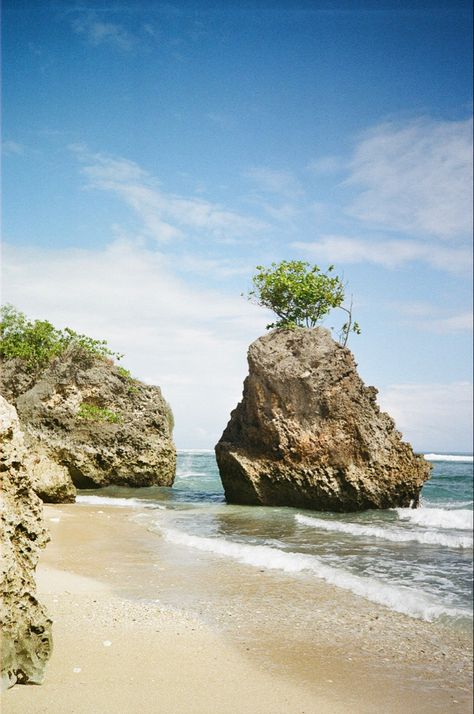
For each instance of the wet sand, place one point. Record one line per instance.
(143, 626)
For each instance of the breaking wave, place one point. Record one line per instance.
(118, 502)
(461, 519)
(195, 451)
(449, 457)
(190, 474)
(398, 598)
(397, 536)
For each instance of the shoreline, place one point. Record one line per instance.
(155, 628)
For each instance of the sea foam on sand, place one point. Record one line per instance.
(401, 599)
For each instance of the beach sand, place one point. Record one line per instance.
(139, 629)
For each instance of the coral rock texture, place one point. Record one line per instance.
(26, 641)
(308, 433)
(89, 424)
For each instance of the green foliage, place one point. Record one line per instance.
(131, 382)
(91, 412)
(125, 373)
(38, 342)
(301, 295)
(98, 348)
(298, 293)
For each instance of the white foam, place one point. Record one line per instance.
(394, 535)
(399, 598)
(449, 457)
(190, 474)
(195, 451)
(461, 519)
(118, 502)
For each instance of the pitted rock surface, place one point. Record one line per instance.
(308, 433)
(26, 640)
(68, 450)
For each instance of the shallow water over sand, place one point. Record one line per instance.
(416, 562)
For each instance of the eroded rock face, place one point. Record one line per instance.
(26, 641)
(308, 433)
(88, 424)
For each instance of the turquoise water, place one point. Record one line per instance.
(418, 562)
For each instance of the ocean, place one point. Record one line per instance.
(417, 562)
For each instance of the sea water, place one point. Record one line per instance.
(414, 561)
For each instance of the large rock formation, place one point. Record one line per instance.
(88, 424)
(309, 434)
(25, 628)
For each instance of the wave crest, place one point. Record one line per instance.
(396, 597)
(396, 536)
(460, 519)
(448, 457)
(117, 502)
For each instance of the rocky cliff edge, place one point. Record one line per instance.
(89, 424)
(26, 640)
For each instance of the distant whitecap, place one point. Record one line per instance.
(117, 502)
(460, 519)
(396, 535)
(449, 457)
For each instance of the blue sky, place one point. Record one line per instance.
(155, 153)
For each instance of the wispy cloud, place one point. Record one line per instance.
(388, 253)
(326, 165)
(165, 215)
(190, 340)
(462, 322)
(224, 121)
(415, 178)
(13, 147)
(432, 413)
(276, 182)
(433, 318)
(100, 32)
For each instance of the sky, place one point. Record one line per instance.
(154, 153)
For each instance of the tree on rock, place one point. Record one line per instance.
(300, 294)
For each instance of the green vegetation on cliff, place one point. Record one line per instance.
(91, 412)
(37, 342)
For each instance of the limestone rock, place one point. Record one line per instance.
(50, 480)
(26, 629)
(308, 433)
(89, 424)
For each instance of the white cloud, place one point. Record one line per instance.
(388, 253)
(98, 32)
(192, 342)
(433, 318)
(434, 417)
(224, 121)
(280, 183)
(214, 267)
(416, 178)
(165, 215)
(326, 165)
(454, 323)
(13, 147)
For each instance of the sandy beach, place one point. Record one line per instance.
(134, 632)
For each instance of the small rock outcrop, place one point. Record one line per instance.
(89, 424)
(308, 433)
(26, 641)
